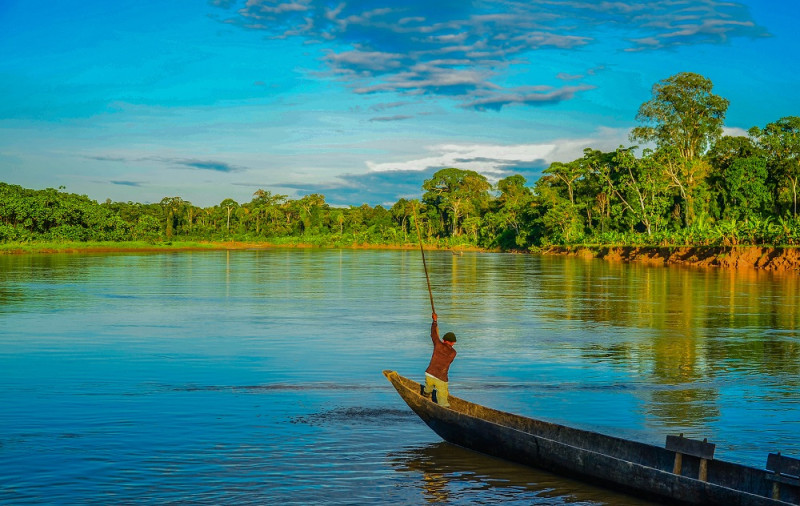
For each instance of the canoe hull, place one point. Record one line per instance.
(632, 467)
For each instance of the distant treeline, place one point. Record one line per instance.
(694, 186)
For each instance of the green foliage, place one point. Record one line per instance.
(458, 195)
(744, 185)
(780, 141)
(695, 188)
(682, 113)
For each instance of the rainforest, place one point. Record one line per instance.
(681, 183)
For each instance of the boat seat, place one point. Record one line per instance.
(786, 470)
(693, 447)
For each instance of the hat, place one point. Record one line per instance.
(449, 337)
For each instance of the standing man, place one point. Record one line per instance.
(436, 373)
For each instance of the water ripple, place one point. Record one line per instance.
(357, 415)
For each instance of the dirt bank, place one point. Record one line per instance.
(736, 257)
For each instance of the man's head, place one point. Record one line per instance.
(449, 337)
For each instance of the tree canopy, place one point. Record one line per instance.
(682, 113)
(693, 186)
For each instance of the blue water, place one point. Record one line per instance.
(255, 376)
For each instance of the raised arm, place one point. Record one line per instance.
(435, 329)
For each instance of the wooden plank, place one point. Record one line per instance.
(780, 464)
(702, 474)
(779, 478)
(676, 468)
(702, 449)
(784, 468)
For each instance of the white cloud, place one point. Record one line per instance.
(484, 158)
(496, 159)
(735, 132)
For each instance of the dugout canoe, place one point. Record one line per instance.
(671, 476)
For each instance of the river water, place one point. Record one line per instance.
(255, 376)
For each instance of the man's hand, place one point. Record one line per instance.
(435, 318)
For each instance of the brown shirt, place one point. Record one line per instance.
(443, 355)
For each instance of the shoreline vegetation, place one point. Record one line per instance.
(767, 258)
(693, 197)
(145, 247)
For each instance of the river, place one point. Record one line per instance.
(255, 376)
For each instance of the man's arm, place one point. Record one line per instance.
(435, 329)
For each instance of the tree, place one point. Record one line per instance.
(682, 113)
(514, 200)
(567, 173)
(263, 205)
(558, 217)
(641, 187)
(457, 194)
(729, 148)
(687, 177)
(310, 207)
(172, 207)
(229, 205)
(401, 211)
(781, 141)
(745, 188)
(721, 156)
(337, 217)
(601, 175)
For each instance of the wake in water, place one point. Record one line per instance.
(357, 415)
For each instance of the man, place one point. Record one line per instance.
(436, 373)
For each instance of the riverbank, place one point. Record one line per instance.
(768, 258)
(115, 247)
(144, 247)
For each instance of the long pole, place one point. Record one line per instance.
(424, 265)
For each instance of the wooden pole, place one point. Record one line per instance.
(424, 265)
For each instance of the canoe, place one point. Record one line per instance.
(640, 469)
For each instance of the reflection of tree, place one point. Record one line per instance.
(9, 297)
(677, 328)
(685, 407)
(696, 326)
(22, 277)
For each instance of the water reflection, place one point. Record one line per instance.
(686, 301)
(625, 349)
(450, 475)
(26, 279)
(699, 337)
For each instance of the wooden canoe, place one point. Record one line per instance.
(637, 468)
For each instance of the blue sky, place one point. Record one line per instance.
(358, 100)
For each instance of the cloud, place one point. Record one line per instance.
(225, 4)
(463, 50)
(568, 77)
(371, 188)
(398, 117)
(528, 96)
(127, 183)
(107, 158)
(491, 160)
(498, 160)
(735, 132)
(211, 165)
(692, 23)
(386, 182)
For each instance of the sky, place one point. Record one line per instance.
(360, 100)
